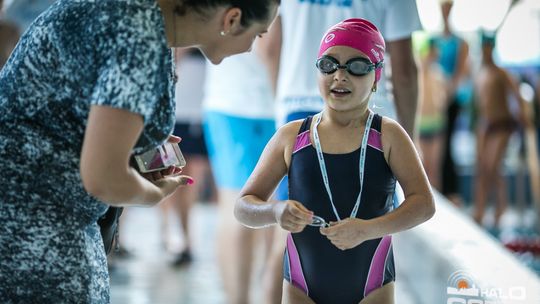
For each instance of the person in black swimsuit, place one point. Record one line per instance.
(342, 164)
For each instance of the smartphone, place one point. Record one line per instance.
(159, 158)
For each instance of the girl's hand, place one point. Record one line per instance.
(348, 233)
(292, 215)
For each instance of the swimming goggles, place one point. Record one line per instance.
(359, 66)
(318, 221)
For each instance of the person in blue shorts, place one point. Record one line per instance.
(238, 123)
(343, 164)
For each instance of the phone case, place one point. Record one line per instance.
(160, 158)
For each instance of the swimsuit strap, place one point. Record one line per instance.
(305, 125)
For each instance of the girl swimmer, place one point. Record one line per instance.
(342, 164)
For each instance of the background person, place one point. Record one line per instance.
(495, 125)
(432, 114)
(454, 60)
(239, 121)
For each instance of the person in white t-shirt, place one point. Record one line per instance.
(238, 122)
(304, 22)
(299, 28)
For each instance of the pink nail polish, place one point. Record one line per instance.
(190, 181)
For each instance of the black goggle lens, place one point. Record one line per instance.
(356, 66)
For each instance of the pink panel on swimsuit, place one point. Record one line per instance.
(378, 265)
(374, 139)
(295, 267)
(302, 141)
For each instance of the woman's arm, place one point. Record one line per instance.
(109, 138)
(253, 208)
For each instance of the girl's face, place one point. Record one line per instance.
(237, 41)
(341, 90)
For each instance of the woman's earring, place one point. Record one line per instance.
(374, 89)
(222, 33)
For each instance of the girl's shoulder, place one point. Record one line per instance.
(292, 128)
(389, 124)
(391, 131)
(286, 135)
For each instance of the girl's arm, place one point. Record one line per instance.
(405, 163)
(253, 208)
(109, 138)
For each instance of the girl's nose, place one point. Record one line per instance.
(340, 75)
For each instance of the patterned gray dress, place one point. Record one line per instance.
(77, 54)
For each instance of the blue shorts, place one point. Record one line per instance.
(192, 138)
(234, 146)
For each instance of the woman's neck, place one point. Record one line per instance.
(182, 30)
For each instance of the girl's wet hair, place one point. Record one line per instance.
(252, 10)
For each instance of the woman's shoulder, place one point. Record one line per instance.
(97, 21)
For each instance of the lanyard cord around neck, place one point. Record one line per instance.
(322, 165)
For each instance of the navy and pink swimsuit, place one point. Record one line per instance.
(313, 264)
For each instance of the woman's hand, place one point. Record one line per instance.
(168, 180)
(169, 184)
(292, 215)
(157, 175)
(174, 139)
(348, 233)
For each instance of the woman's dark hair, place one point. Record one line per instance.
(252, 10)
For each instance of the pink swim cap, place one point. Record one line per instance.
(359, 34)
